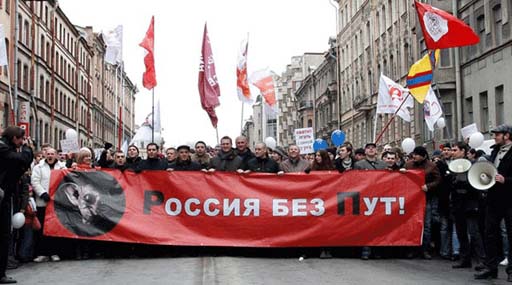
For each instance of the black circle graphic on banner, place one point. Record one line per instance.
(89, 204)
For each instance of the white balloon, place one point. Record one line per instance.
(270, 142)
(476, 140)
(71, 134)
(408, 145)
(441, 123)
(18, 220)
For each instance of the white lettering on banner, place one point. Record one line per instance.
(252, 205)
(371, 204)
(168, 207)
(278, 209)
(174, 206)
(234, 206)
(207, 211)
(299, 207)
(188, 208)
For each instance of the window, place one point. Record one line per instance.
(484, 112)
(480, 24)
(41, 51)
(500, 110)
(497, 24)
(27, 33)
(47, 92)
(445, 58)
(41, 87)
(448, 118)
(469, 110)
(20, 26)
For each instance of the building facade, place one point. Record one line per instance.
(56, 68)
(382, 36)
(295, 108)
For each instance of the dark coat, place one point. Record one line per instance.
(13, 165)
(445, 188)
(245, 156)
(133, 163)
(226, 161)
(265, 164)
(338, 164)
(185, 165)
(153, 164)
(432, 176)
(501, 193)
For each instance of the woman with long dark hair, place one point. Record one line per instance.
(322, 161)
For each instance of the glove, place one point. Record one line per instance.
(45, 197)
(307, 170)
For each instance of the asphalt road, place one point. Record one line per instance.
(247, 270)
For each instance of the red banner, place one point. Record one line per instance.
(377, 208)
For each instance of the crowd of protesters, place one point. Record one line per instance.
(462, 224)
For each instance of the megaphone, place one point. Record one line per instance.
(460, 165)
(482, 175)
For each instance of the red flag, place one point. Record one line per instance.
(443, 30)
(209, 89)
(148, 43)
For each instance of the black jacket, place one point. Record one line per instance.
(338, 164)
(153, 164)
(245, 156)
(185, 165)
(265, 164)
(501, 193)
(133, 163)
(13, 165)
(226, 161)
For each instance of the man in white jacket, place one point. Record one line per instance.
(45, 247)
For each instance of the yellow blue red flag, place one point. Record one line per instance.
(420, 76)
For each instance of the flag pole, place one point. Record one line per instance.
(13, 120)
(375, 124)
(153, 114)
(242, 120)
(217, 132)
(391, 120)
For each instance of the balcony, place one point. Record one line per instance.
(307, 104)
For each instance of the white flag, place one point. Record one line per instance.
(114, 41)
(124, 147)
(391, 95)
(3, 49)
(431, 109)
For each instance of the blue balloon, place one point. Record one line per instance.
(338, 137)
(319, 144)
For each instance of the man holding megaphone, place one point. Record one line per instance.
(465, 207)
(499, 199)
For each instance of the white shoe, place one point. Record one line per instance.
(55, 258)
(41, 258)
(504, 262)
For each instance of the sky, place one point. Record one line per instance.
(277, 30)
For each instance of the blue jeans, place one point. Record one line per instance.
(445, 235)
(427, 226)
(455, 241)
(26, 247)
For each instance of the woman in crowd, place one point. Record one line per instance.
(322, 161)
